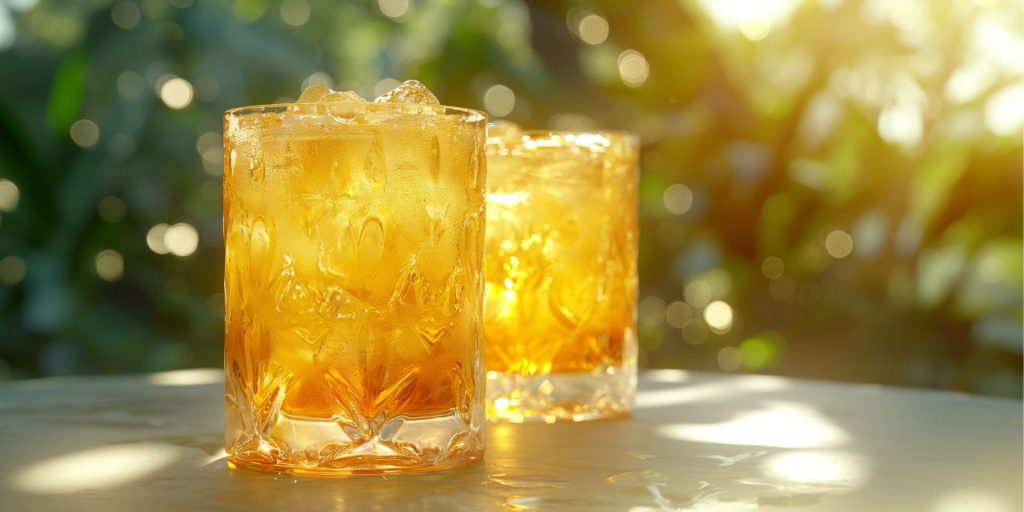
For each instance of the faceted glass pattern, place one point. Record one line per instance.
(561, 275)
(354, 286)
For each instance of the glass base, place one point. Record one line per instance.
(604, 393)
(302, 446)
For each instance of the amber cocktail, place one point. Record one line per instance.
(561, 276)
(353, 276)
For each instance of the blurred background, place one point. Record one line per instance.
(829, 189)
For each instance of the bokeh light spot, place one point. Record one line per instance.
(209, 140)
(384, 86)
(9, 195)
(678, 198)
(592, 29)
(718, 316)
(176, 93)
(295, 12)
(678, 313)
(394, 8)
(970, 81)
(773, 267)
(181, 239)
(155, 238)
(762, 350)
(126, 15)
(12, 270)
(633, 68)
(85, 133)
(697, 293)
(499, 100)
(1004, 111)
(901, 123)
(210, 147)
(249, 10)
(695, 332)
(109, 265)
(651, 310)
(839, 244)
(730, 359)
(318, 78)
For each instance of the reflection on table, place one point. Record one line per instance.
(695, 442)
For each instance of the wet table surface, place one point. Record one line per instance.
(695, 442)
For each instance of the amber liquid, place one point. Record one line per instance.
(561, 280)
(353, 290)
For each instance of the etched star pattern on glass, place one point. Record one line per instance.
(561, 275)
(353, 279)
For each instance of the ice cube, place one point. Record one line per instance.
(343, 97)
(321, 94)
(409, 91)
(313, 94)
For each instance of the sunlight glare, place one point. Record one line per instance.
(96, 468)
(694, 393)
(754, 18)
(190, 377)
(1004, 111)
(901, 123)
(975, 500)
(668, 376)
(816, 467)
(779, 424)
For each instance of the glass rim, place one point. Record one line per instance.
(410, 108)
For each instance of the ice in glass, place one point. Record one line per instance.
(561, 274)
(353, 282)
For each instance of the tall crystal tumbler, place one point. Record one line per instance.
(354, 289)
(561, 275)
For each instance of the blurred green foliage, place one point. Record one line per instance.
(840, 180)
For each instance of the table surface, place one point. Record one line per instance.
(695, 442)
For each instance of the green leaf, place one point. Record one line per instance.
(66, 95)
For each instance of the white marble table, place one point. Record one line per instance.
(695, 442)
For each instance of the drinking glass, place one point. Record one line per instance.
(561, 275)
(353, 285)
